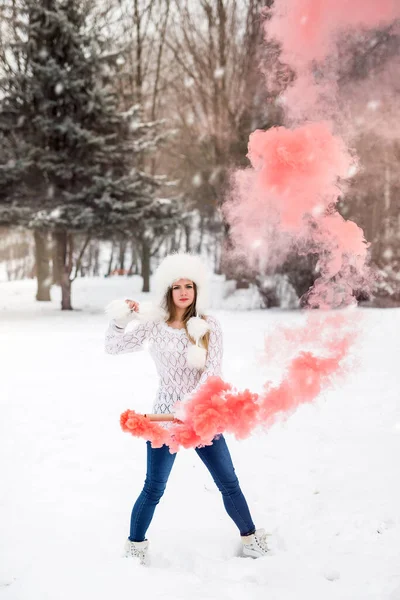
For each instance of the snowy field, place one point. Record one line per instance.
(325, 484)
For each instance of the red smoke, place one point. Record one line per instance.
(217, 408)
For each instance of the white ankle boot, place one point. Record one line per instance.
(255, 545)
(137, 550)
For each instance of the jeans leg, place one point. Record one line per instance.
(159, 465)
(218, 461)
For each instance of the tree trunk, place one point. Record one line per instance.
(42, 266)
(55, 266)
(146, 265)
(96, 263)
(387, 196)
(133, 269)
(217, 256)
(188, 231)
(110, 262)
(64, 250)
(122, 254)
(201, 234)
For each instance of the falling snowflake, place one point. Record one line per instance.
(135, 124)
(280, 100)
(43, 53)
(318, 210)
(215, 173)
(59, 88)
(197, 180)
(388, 254)
(373, 104)
(219, 73)
(188, 82)
(352, 171)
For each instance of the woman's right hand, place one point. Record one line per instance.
(134, 306)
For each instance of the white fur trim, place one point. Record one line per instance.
(182, 266)
(197, 328)
(196, 356)
(119, 310)
(148, 311)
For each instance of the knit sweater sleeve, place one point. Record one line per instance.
(213, 364)
(119, 342)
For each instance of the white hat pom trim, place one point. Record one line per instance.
(197, 328)
(119, 309)
(196, 356)
(148, 311)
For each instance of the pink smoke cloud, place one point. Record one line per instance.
(307, 29)
(293, 187)
(298, 169)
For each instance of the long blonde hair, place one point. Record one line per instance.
(188, 314)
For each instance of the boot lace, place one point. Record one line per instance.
(261, 540)
(136, 553)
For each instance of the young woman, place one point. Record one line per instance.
(186, 346)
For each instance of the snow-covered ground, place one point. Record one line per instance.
(325, 483)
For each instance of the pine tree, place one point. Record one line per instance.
(71, 154)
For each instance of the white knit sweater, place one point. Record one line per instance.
(168, 348)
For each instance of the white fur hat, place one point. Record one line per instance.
(182, 266)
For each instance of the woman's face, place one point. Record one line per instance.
(183, 293)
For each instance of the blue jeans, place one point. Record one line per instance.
(217, 460)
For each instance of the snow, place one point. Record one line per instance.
(324, 483)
